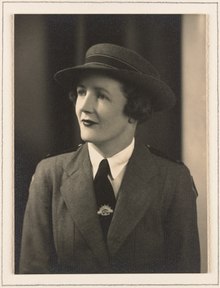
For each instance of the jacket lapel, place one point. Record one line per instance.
(78, 193)
(138, 189)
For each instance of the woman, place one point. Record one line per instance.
(135, 212)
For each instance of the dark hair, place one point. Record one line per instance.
(138, 106)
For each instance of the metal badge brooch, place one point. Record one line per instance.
(105, 210)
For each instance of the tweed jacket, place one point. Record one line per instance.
(153, 229)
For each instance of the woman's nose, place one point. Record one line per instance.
(88, 102)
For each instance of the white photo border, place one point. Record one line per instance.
(8, 10)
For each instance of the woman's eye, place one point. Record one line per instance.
(101, 96)
(81, 92)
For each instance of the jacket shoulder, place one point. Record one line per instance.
(56, 160)
(176, 166)
(162, 156)
(64, 152)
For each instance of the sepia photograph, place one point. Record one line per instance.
(111, 148)
(139, 214)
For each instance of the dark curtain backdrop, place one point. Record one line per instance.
(44, 117)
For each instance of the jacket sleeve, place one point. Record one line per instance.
(37, 248)
(181, 232)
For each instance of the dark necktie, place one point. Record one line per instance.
(105, 197)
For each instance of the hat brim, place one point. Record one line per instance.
(159, 92)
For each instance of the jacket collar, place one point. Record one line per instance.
(136, 194)
(138, 189)
(78, 194)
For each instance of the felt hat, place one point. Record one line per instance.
(124, 65)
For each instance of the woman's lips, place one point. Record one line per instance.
(88, 122)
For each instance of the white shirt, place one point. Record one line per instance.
(117, 163)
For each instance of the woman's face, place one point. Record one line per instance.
(100, 111)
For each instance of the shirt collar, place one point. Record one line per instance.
(117, 162)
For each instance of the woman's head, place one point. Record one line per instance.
(100, 106)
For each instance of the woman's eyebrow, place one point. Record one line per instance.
(97, 88)
(101, 89)
(80, 85)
